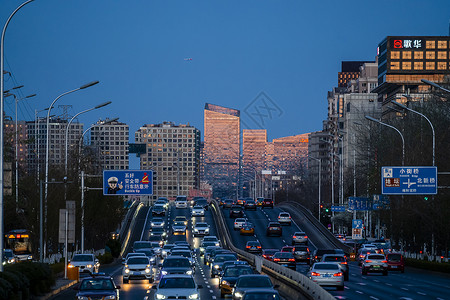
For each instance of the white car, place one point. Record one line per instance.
(211, 238)
(239, 222)
(327, 274)
(198, 211)
(157, 223)
(86, 263)
(165, 251)
(137, 267)
(374, 263)
(178, 228)
(181, 202)
(284, 218)
(201, 228)
(177, 286)
(124, 259)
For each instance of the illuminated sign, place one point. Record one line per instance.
(407, 44)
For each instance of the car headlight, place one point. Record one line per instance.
(89, 266)
(238, 295)
(82, 298)
(189, 272)
(70, 266)
(225, 282)
(164, 252)
(30, 257)
(151, 233)
(163, 273)
(193, 296)
(202, 249)
(152, 260)
(160, 296)
(207, 230)
(153, 224)
(195, 230)
(147, 270)
(217, 244)
(127, 271)
(216, 266)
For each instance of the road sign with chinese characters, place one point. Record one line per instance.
(128, 182)
(357, 228)
(408, 180)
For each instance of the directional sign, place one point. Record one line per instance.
(359, 203)
(357, 227)
(337, 208)
(128, 182)
(408, 180)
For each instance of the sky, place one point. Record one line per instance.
(163, 60)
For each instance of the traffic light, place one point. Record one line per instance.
(327, 209)
(425, 198)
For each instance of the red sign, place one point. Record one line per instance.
(392, 182)
(398, 44)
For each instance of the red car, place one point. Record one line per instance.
(268, 253)
(267, 203)
(395, 262)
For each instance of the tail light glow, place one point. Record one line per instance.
(338, 274)
(368, 261)
(315, 274)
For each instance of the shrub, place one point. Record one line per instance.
(106, 258)
(6, 289)
(428, 265)
(58, 267)
(39, 275)
(114, 246)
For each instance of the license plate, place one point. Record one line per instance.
(393, 267)
(136, 273)
(326, 275)
(375, 267)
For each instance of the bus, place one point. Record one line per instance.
(19, 241)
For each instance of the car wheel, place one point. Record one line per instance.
(340, 288)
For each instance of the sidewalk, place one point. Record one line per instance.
(60, 285)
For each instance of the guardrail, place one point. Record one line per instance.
(319, 226)
(127, 238)
(125, 225)
(293, 284)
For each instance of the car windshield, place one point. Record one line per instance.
(235, 272)
(201, 225)
(154, 244)
(299, 233)
(182, 253)
(180, 219)
(139, 260)
(201, 202)
(176, 262)
(96, 284)
(198, 207)
(394, 257)
(271, 252)
(178, 224)
(274, 225)
(8, 254)
(85, 257)
(283, 255)
(157, 220)
(284, 215)
(177, 283)
(326, 267)
(375, 256)
(261, 296)
(222, 258)
(301, 248)
(158, 229)
(254, 281)
(148, 252)
(334, 258)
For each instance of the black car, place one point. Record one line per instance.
(229, 277)
(228, 203)
(158, 210)
(250, 204)
(253, 247)
(202, 202)
(98, 287)
(267, 203)
(285, 259)
(236, 211)
(320, 252)
(274, 228)
(302, 253)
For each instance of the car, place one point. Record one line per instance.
(341, 259)
(157, 222)
(236, 211)
(267, 203)
(238, 223)
(327, 274)
(268, 253)
(181, 219)
(159, 231)
(395, 262)
(176, 265)
(228, 203)
(202, 202)
(182, 244)
(162, 202)
(207, 253)
(232, 263)
(284, 218)
(181, 202)
(299, 237)
(98, 287)
(363, 252)
(158, 210)
(211, 238)
(86, 263)
(274, 228)
(137, 267)
(253, 247)
(250, 204)
(141, 245)
(185, 253)
(124, 259)
(247, 229)
(259, 201)
(204, 245)
(287, 249)
(9, 257)
(198, 211)
(376, 263)
(165, 200)
(229, 277)
(240, 202)
(261, 294)
(285, 259)
(317, 257)
(150, 253)
(218, 251)
(178, 228)
(217, 262)
(251, 282)
(302, 254)
(177, 286)
(201, 228)
(165, 251)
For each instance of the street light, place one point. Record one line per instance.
(435, 85)
(390, 126)
(48, 139)
(2, 73)
(429, 122)
(82, 177)
(320, 169)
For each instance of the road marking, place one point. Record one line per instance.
(359, 292)
(405, 289)
(420, 293)
(208, 286)
(389, 284)
(211, 291)
(374, 298)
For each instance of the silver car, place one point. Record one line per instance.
(376, 263)
(201, 228)
(299, 237)
(178, 228)
(86, 263)
(284, 218)
(157, 223)
(341, 259)
(177, 286)
(198, 211)
(327, 274)
(238, 222)
(137, 267)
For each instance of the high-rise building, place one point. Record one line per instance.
(253, 150)
(173, 153)
(288, 153)
(110, 141)
(10, 140)
(349, 71)
(222, 148)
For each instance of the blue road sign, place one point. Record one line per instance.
(359, 203)
(408, 180)
(128, 182)
(381, 202)
(357, 224)
(337, 208)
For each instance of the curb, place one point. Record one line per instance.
(58, 290)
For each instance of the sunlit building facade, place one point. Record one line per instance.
(253, 150)
(287, 153)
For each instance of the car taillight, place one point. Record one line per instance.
(368, 261)
(276, 259)
(343, 263)
(248, 246)
(305, 236)
(265, 256)
(291, 259)
(361, 255)
(315, 274)
(337, 274)
(384, 261)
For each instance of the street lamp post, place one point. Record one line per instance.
(390, 126)
(435, 85)
(80, 143)
(429, 122)
(36, 139)
(2, 73)
(48, 141)
(320, 169)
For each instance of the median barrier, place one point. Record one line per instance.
(130, 229)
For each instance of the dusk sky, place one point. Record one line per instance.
(163, 60)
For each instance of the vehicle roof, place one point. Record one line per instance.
(274, 223)
(178, 276)
(260, 291)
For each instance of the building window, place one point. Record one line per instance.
(430, 65)
(442, 55)
(430, 55)
(442, 65)
(431, 44)
(395, 55)
(418, 65)
(407, 55)
(418, 55)
(406, 65)
(395, 65)
(442, 44)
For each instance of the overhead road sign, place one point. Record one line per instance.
(409, 180)
(337, 208)
(359, 203)
(127, 182)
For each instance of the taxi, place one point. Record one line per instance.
(247, 229)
